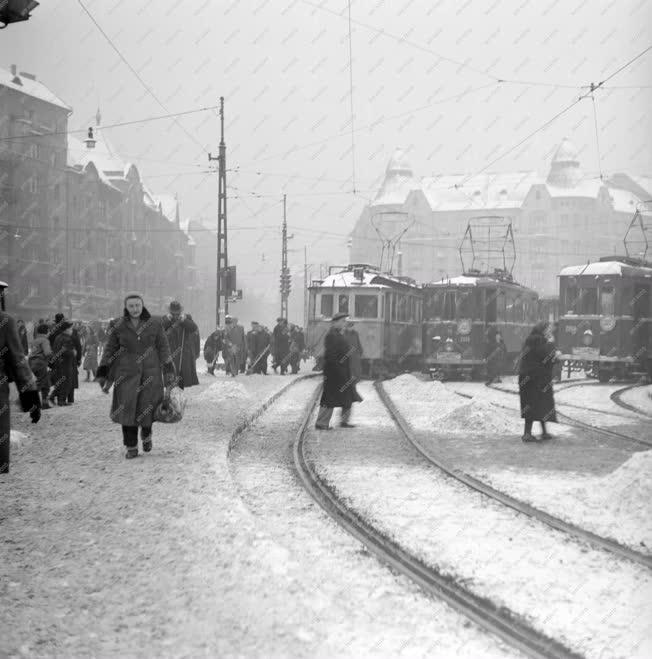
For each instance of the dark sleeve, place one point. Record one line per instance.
(14, 358)
(163, 348)
(110, 351)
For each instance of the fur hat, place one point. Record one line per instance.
(133, 294)
(175, 307)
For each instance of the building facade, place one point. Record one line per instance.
(560, 219)
(79, 226)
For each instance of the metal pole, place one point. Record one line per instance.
(222, 255)
(305, 287)
(284, 264)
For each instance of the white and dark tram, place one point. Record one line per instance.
(386, 310)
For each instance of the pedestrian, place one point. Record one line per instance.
(535, 374)
(297, 346)
(76, 340)
(39, 357)
(40, 322)
(91, 347)
(257, 349)
(212, 347)
(13, 368)
(56, 327)
(183, 338)
(355, 347)
(136, 360)
(233, 347)
(281, 343)
(339, 385)
(495, 353)
(22, 335)
(242, 341)
(62, 361)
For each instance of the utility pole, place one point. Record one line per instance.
(305, 287)
(285, 273)
(222, 254)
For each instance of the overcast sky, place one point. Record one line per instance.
(425, 77)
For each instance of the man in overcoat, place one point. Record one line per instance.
(234, 346)
(135, 361)
(212, 348)
(14, 368)
(535, 374)
(281, 344)
(339, 385)
(183, 338)
(257, 348)
(242, 340)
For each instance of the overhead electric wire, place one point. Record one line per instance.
(137, 75)
(592, 88)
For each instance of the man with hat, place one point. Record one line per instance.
(183, 337)
(339, 385)
(13, 368)
(234, 345)
(257, 348)
(281, 345)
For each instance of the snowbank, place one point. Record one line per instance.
(224, 389)
(16, 437)
(478, 417)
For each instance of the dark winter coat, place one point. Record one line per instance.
(183, 332)
(134, 360)
(281, 343)
(24, 341)
(76, 341)
(214, 344)
(535, 379)
(257, 342)
(63, 362)
(39, 359)
(355, 357)
(13, 368)
(339, 386)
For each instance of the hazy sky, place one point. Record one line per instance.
(425, 77)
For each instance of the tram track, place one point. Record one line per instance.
(498, 620)
(593, 539)
(578, 423)
(616, 397)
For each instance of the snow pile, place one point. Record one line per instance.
(627, 491)
(224, 389)
(410, 388)
(477, 416)
(16, 438)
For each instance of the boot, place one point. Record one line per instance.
(528, 437)
(146, 438)
(132, 452)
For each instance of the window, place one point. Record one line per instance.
(433, 303)
(449, 306)
(607, 301)
(326, 308)
(588, 299)
(366, 306)
(343, 303)
(570, 299)
(403, 308)
(466, 307)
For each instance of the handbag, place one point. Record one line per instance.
(172, 407)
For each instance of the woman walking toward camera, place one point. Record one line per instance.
(135, 360)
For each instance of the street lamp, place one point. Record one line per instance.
(15, 11)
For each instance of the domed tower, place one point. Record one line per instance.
(399, 180)
(565, 169)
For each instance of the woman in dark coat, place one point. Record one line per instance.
(64, 364)
(183, 338)
(535, 374)
(355, 356)
(90, 354)
(339, 386)
(134, 360)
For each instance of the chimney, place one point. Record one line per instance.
(31, 76)
(13, 69)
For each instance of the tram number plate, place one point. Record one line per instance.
(585, 351)
(449, 356)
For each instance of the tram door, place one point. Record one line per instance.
(642, 334)
(490, 305)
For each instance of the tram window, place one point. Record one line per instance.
(570, 300)
(393, 315)
(366, 306)
(343, 303)
(465, 305)
(490, 307)
(449, 306)
(433, 303)
(326, 304)
(588, 301)
(607, 301)
(403, 309)
(501, 306)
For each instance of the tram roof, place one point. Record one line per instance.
(599, 268)
(347, 279)
(474, 280)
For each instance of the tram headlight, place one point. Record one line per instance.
(587, 338)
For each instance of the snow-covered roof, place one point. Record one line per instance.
(25, 85)
(346, 279)
(169, 205)
(399, 181)
(601, 268)
(623, 200)
(461, 280)
(490, 190)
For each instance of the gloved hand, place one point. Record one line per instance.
(30, 401)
